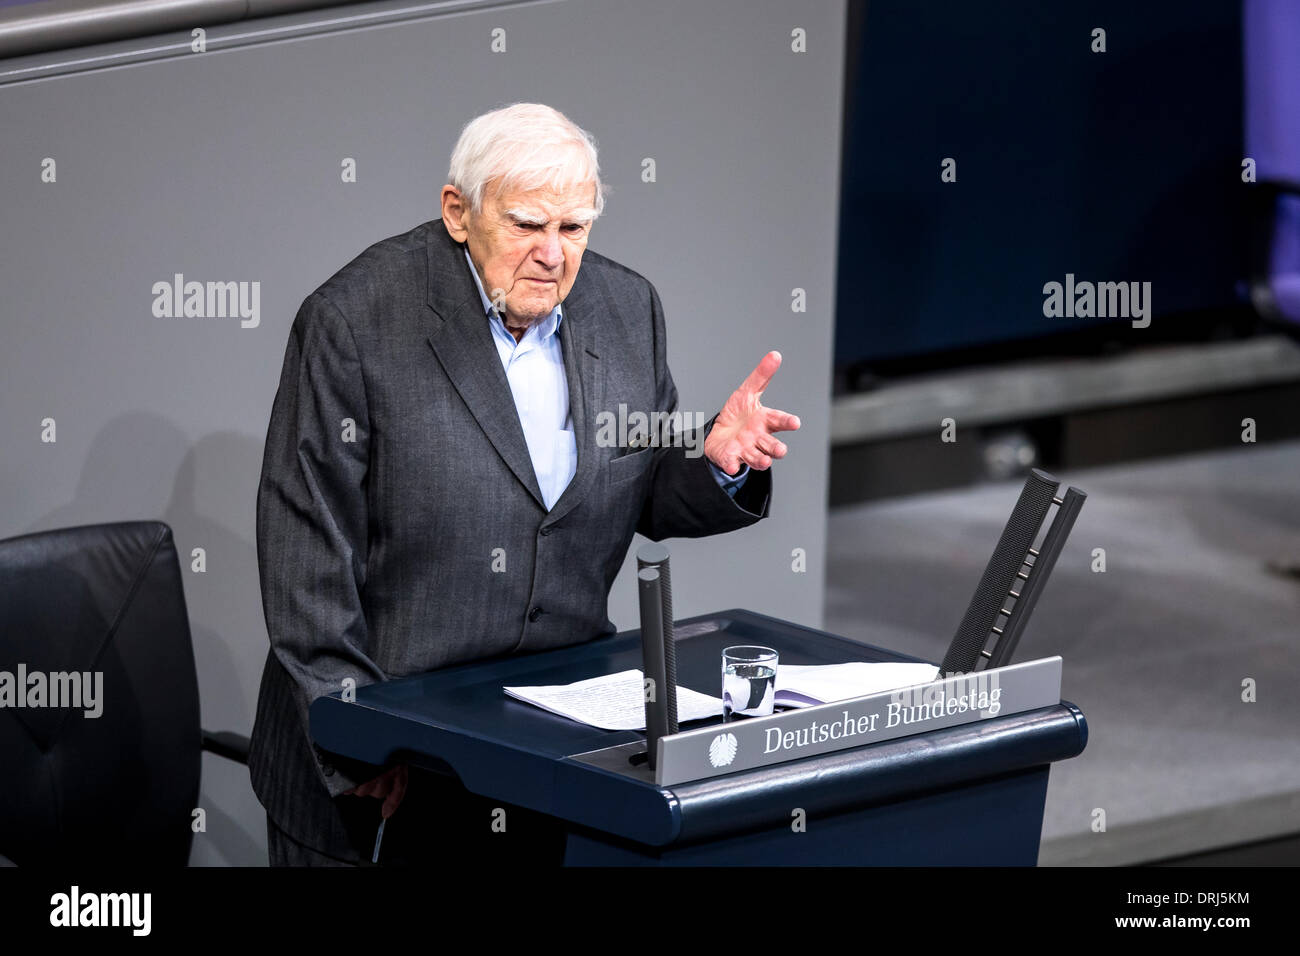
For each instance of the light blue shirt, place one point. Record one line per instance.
(534, 367)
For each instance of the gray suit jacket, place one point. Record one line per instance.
(395, 468)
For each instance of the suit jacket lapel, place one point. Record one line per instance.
(463, 343)
(462, 340)
(579, 341)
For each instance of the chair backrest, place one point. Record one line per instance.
(93, 621)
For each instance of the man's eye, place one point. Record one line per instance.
(573, 228)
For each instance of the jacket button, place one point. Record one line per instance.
(547, 530)
(327, 769)
(534, 614)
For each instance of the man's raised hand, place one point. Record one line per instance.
(745, 430)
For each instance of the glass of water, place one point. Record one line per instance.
(748, 681)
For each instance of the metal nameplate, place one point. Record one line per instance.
(745, 744)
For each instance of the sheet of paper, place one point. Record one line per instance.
(804, 685)
(612, 702)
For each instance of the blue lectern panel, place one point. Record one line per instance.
(459, 719)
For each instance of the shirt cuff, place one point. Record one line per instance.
(729, 483)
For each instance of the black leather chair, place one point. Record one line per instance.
(101, 599)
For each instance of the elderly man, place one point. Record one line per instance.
(437, 486)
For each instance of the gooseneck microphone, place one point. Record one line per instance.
(658, 649)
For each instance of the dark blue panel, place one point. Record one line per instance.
(1115, 166)
(994, 822)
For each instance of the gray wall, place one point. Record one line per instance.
(225, 166)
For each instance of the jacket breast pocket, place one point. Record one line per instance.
(629, 466)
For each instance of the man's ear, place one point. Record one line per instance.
(455, 211)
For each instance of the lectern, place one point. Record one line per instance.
(969, 794)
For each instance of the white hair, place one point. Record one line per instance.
(526, 146)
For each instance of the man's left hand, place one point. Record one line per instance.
(744, 431)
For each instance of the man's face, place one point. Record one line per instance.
(526, 246)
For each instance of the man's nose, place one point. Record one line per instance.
(548, 251)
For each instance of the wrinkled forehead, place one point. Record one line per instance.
(570, 203)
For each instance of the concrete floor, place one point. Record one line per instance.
(1156, 647)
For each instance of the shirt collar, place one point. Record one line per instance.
(546, 327)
